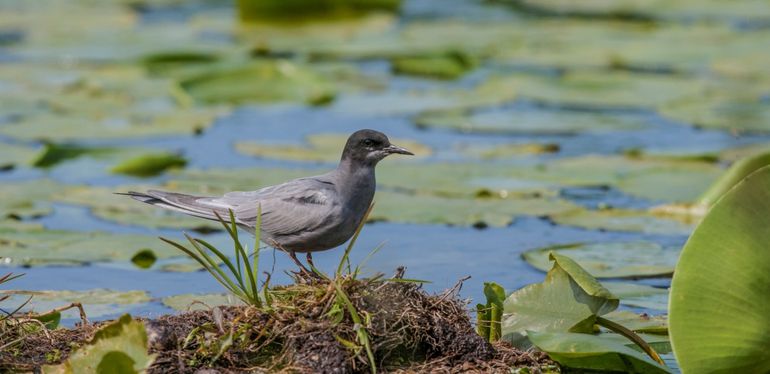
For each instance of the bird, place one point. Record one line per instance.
(303, 215)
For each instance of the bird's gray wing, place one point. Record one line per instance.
(287, 209)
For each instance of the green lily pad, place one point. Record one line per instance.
(450, 66)
(510, 150)
(107, 103)
(261, 81)
(592, 352)
(53, 154)
(569, 299)
(189, 302)
(96, 303)
(639, 295)
(518, 121)
(719, 314)
(12, 155)
(604, 89)
(611, 260)
(683, 10)
(26, 199)
(738, 112)
(148, 165)
(119, 347)
(427, 209)
(56, 247)
(737, 172)
(322, 148)
(627, 220)
(641, 323)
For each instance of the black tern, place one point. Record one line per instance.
(303, 215)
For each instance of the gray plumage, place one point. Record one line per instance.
(303, 215)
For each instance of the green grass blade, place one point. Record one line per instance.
(215, 266)
(366, 259)
(352, 242)
(203, 263)
(361, 333)
(224, 259)
(257, 229)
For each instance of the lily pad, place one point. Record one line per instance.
(738, 112)
(53, 154)
(96, 303)
(611, 260)
(529, 121)
(12, 155)
(450, 66)
(568, 300)
(639, 295)
(719, 314)
(261, 81)
(322, 148)
(604, 89)
(627, 220)
(510, 150)
(592, 352)
(149, 164)
(189, 302)
(641, 323)
(737, 172)
(26, 199)
(119, 347)
(56, 247)
(427, 209)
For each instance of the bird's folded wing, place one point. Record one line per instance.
(287, 209)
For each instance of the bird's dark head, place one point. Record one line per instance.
(369, 147)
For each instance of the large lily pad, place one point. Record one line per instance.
(261, 81)
(12, 155)
(611, 260)
(322, 148)
(96, 303)
(641, 323)
(603, 89)
(627, 220)
(189, 302)
(723, 108)
(399, 207)
(26, 199)
(529, 121)
(639, 295)
(119, 347)
(719, 314)
(592, 352)
(56, 247)
(568, 300)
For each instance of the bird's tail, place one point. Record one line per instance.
(187, 204)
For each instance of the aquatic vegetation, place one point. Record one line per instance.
(560, 314)
(611, 260)
(269, 10)
(719, 311)
(118, 347)
(148, 165)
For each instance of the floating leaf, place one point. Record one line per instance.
(119, 347)
(450, 66)
(53, 153)
(189, 302)
(592, 352)
(56, 247)
(529, 121)
(260, 81)
(719, 314)
(150, 164)
(734, 111)
(568, 300)
(641, 323)
(639, 295)
(626, 220)
(97, 302)
(26, 199)
(737, 172)
(611, 260)
(12, 155)
(144, 259)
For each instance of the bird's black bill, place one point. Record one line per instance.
(396, 149)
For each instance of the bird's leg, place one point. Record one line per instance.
(309, 257)
(302, 267)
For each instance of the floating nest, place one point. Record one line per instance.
(306, 329)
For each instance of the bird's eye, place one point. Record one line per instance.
(368, 142)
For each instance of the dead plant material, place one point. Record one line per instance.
(306, 330)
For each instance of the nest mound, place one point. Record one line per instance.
(307, 328)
